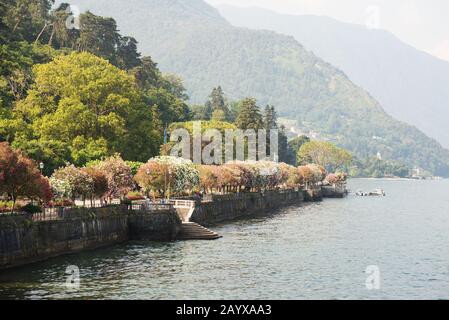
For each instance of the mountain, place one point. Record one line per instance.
(190, 38)
(411, 85)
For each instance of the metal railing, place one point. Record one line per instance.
(60, 213)
(150, 207)
(89, 204)
(48, 214)
(182, 203)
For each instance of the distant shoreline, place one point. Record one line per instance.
(397, 179)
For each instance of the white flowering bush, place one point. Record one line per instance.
(181, 173)
(61, 189)
(259, 174)
(70, 183)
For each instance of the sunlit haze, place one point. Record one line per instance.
(422, 24)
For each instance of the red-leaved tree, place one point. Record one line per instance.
(19, 176)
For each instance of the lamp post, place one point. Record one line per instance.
(148, 174)
(41, 166)
(168, 193)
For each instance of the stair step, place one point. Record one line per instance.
(197, 232)
(194, 231)
(199, 238)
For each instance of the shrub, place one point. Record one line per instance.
(119, 176)
(152, 176)
(332, 179)
(99, 180)
(134, 166)
(135, 198)
(208, 177)
(6, 206)
(179, 174)
(62, 203)
(306, 174)
(31, 208)
(71, 182)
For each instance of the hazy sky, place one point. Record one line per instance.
(423, 24)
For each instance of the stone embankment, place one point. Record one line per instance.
(24, 240)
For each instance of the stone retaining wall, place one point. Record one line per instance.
(154, 227)
(229, 207)
(24, 241)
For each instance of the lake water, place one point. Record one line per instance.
(314, 251)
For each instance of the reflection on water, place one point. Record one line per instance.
(314, 251)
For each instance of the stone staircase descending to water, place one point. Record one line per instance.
(191, 230)
(194, 231)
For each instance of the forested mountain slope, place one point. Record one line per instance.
(411, 85)
(190, 38)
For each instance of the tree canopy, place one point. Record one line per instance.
(19, 176)
(249, 116)
(324, 154)
(83, 108)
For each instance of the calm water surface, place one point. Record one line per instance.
(315, 251)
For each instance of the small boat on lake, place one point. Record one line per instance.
(375, 193)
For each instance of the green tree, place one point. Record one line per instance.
(174, 85)
(286, 153)
(218, 115)
(134, 166)
(85, 106)
(26, 18)
(200, 112)
(249, 116)
(4, 28)
(296, 143)
(98, 35)
(127, 55)
(205, 125)
(377, 168)
(324, 154)
(270, 118)
(164, 94)
(16, 61)
(56, 30)
(147, 74)
(217, 102)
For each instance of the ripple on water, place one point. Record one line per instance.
(313, 251)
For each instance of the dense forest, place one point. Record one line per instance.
(411, 85)
(190, 38)
(76, 95)
(75, 90)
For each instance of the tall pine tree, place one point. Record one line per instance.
(270, 118)
(217, 103)
(249, 116)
